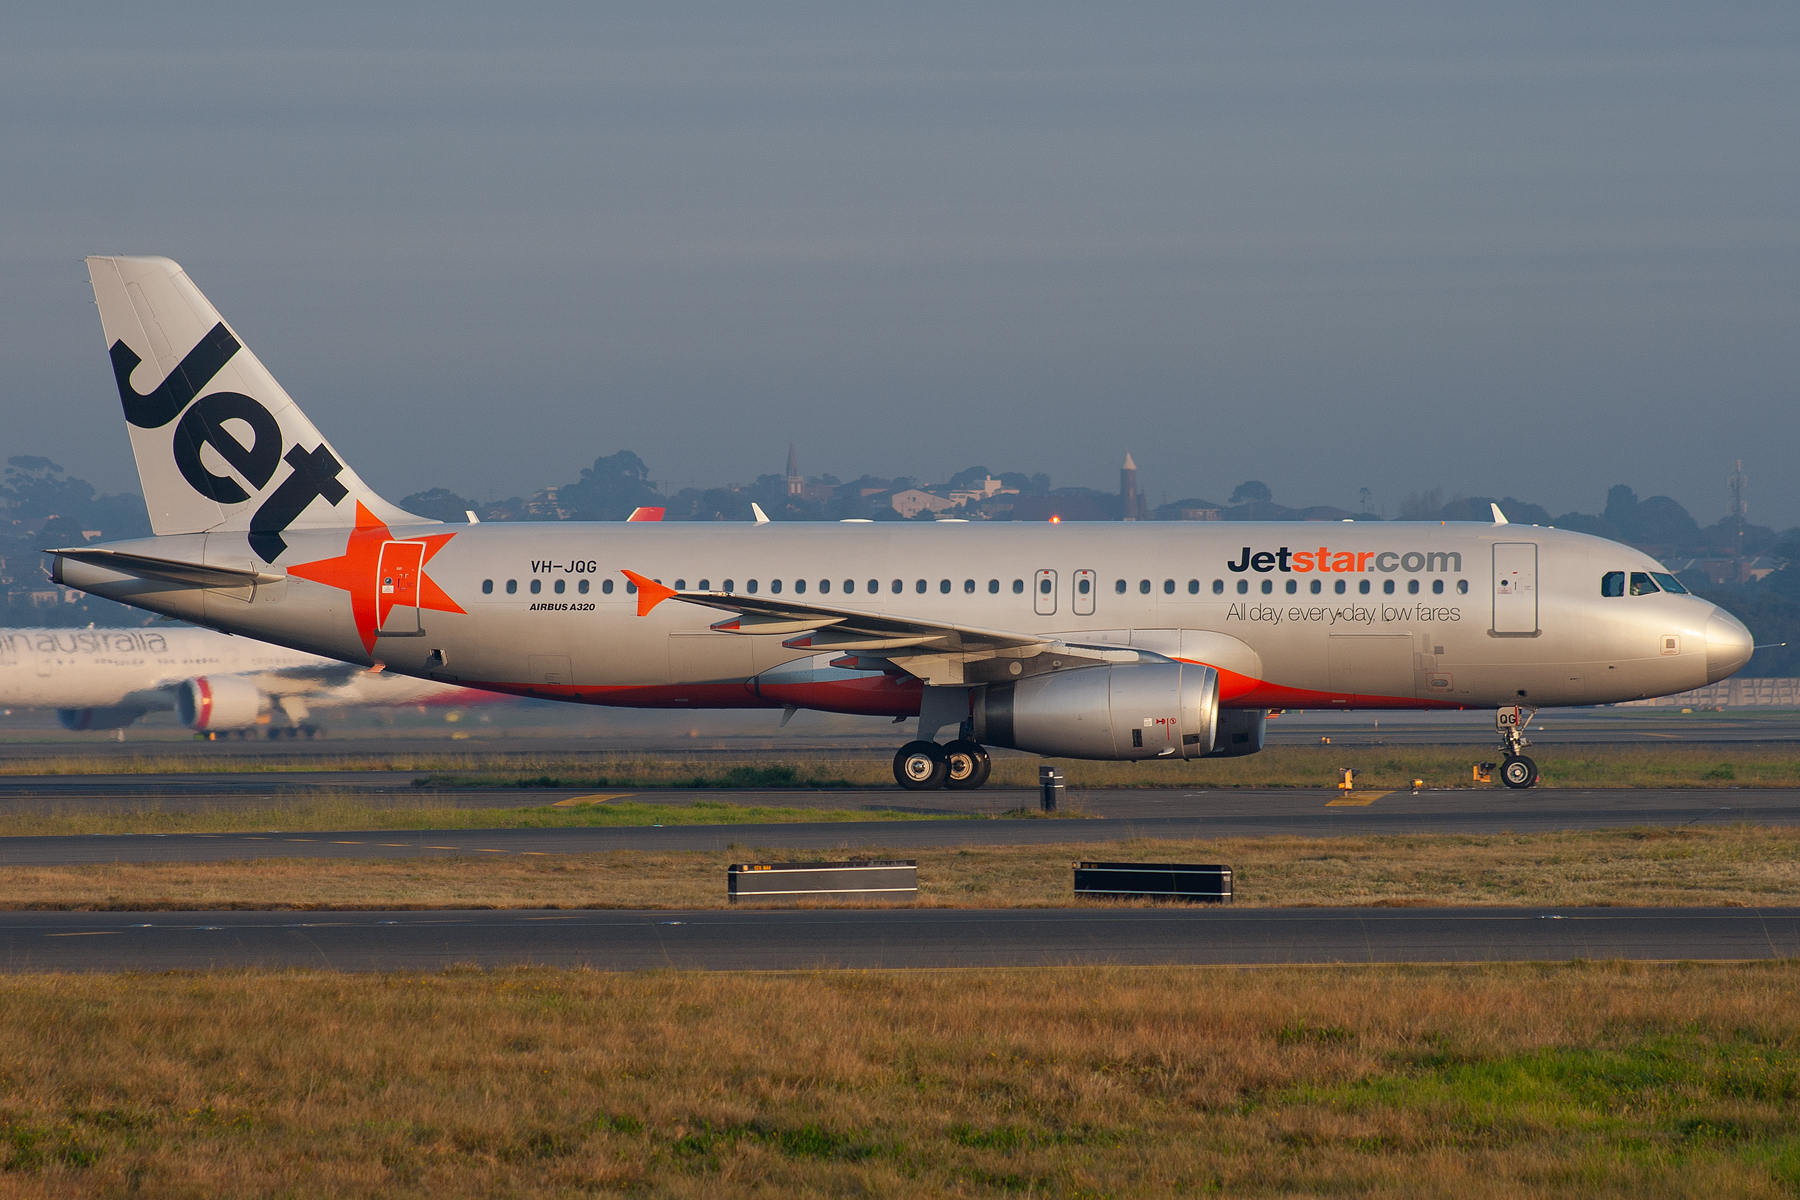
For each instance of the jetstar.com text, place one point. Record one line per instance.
(1413, 562)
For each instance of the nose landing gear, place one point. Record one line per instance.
(1516, 770)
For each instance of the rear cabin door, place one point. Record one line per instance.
(1043, 593)
(1515, 587)
(397, 588)
(1086, 584)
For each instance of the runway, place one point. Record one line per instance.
(1115, 816)
(884, 938)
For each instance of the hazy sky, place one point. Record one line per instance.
(1527, 248)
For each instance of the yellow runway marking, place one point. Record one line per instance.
(90, 933)
(440, 847)
(485, 850)
(346, 843)
(398, 845)
(600, 798)
(1356, 799)
(539, 853)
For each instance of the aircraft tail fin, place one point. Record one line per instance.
(219, 445)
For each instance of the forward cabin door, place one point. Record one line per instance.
(397, 588)
(1515, 587)
(1043, 593)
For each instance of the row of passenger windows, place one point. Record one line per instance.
(1121, 587)
(1643, 583)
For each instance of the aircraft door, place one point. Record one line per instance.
(1515, 587)
(397, 588)
(1086, 584)
(1043, 593)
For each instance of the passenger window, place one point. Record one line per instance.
(487, 587)
(1437, 587)
(1338, 587)
(1462, 587)
(1412, 587)
(1268, 586)
(1293, 585)
(874, 586)
(1363, 587)
(1669, 583)
(606, 586)
(774, 586)
(1084, 587)
(729, 587)
(537, 585)
(1317, 586)
(943, 587)
(705, 585)
(582, 587)
(1193, 587)
(968, 587)
(899, 586)
(512, 585)
(1387, 587)
(993, 587)
(1168, 587)
(1243, 586)
(1120, 587)
(1018, 587)
(630, 588)
(919, 587)
(1612, 583)
(1642, 584)
(799, 587)
(825, 587)
(560, 585)
(1218, 587)
(750, 586)
(1143, 587)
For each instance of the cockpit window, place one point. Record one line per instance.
(1669, 583)
(1642, 584)
(1612, 583)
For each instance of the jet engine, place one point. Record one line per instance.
(117, 716)
(223, 703)
(1240, 732)
(1144, 710)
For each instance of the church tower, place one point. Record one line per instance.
(796, 486)
(1131, 501)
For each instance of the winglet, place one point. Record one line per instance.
(1499, 517)
(762, 518)
(650, 592)
(645, 514)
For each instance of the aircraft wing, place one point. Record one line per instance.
(940, 652)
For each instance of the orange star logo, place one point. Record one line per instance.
(358, 571)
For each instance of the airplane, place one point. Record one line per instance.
(216, 684)
(1130, 641)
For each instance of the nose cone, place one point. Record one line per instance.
(1728, 646)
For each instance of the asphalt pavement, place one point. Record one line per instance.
(884, 938)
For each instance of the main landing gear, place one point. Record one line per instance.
(961, 765)
(1516, 771)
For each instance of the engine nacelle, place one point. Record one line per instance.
(227, 702)
(1145, 710)
(1240, 732)
(116, 717)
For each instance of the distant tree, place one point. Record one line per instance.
(36, 488)
(1621, 509)
(610, 489)
(1252, 491)
(970, 477)
(1424, 506)
(1661, 521)
(1587, 523)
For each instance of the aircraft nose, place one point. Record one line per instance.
(1728, 646)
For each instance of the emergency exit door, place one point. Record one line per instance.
(1086, 584)
(397, 588)
(1043, 593)
(1515, 587)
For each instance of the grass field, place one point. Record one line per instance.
(1630, 765)
(1580, 1080)
(1744, 865)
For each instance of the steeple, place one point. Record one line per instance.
(796, 486)
(1130, 501)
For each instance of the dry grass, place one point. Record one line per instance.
(1627, 765)
(320, 811)
(1749, 866)
(1577, 1080)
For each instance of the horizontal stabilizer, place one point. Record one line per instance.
(167, 569)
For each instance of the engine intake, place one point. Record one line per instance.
(1145, 710)
(223, 703)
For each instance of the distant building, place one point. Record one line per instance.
(988, 488)
(1201, 514)
(912, 502)
(1129, 498)
(545, 504)
(796, 485)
